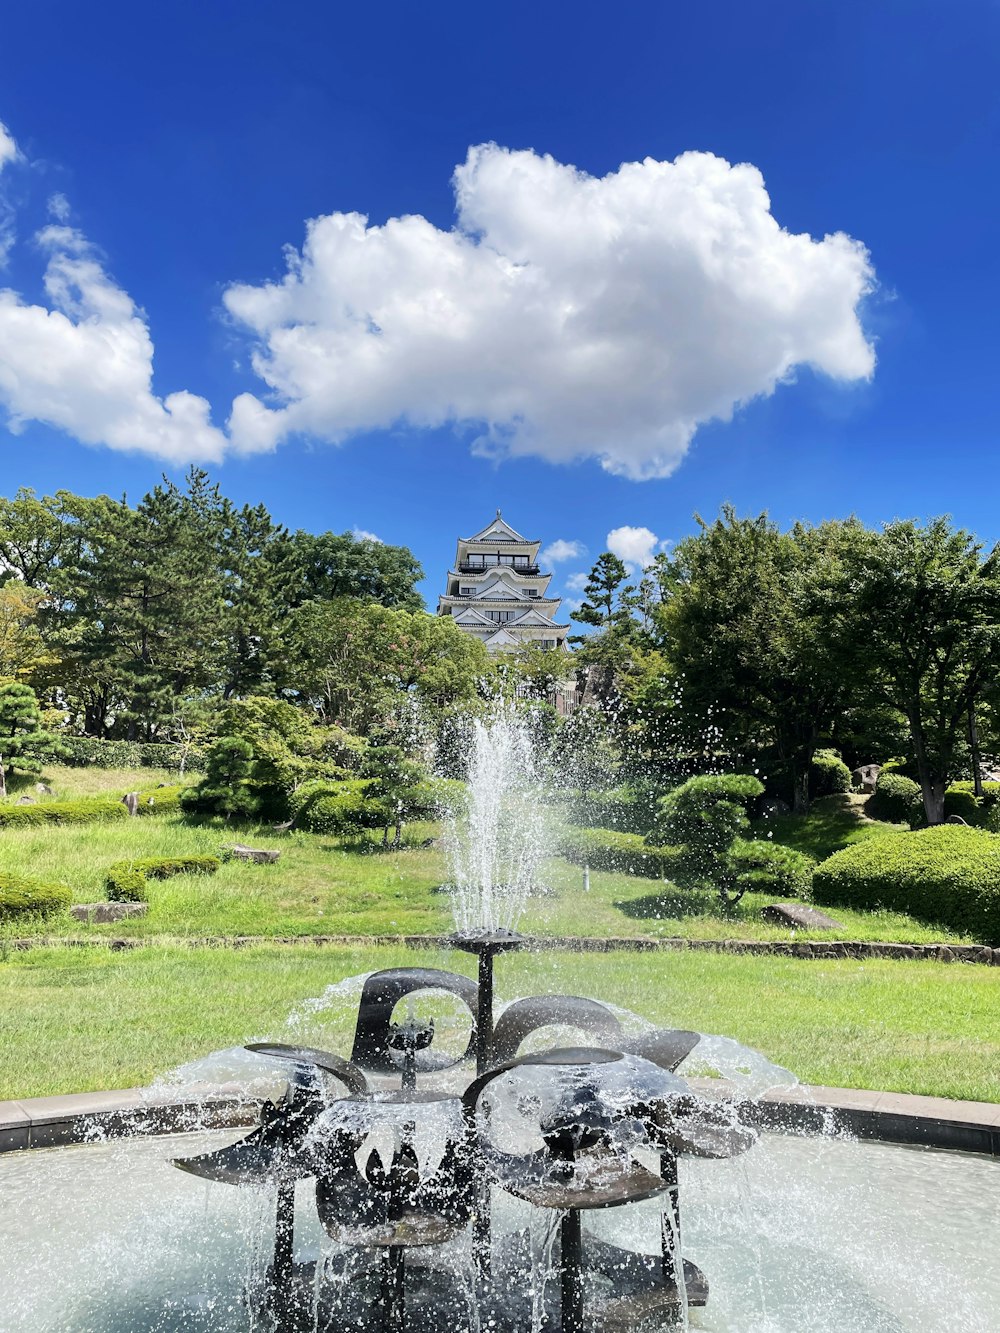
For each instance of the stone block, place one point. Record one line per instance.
(98, 914)
(799, 916)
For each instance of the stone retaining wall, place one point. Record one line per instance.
(940, 953)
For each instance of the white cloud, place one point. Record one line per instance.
(559, 551)
(84, 363)
(576, 582)
(8, 148)
(564, 316)
(359, 534)
(636, 546)
(58, 206)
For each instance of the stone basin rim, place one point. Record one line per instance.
(870, 1115)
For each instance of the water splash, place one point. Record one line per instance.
(497, 840)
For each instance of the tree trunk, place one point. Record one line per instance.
(3, 778)
(977, 766)
(800, 789)
(932, 785)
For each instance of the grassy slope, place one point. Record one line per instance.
(75, 1019)
(319, 887)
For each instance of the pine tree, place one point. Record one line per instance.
(25, 744)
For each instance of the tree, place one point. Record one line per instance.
(604, 604)
(394, 783)
(228, 786)
(23, 651)
(329, 566)
(705, 816)
(758, 626)
(25, 744)
(929, 603)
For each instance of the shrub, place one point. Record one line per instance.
(85, 810)
(126, 881)
(829, 774)
(631, 808)
(334, 808)
(86, 751)
(770, 867)
(896, 800)
(20, 896)
(160, 800)
(228, 787)
(705, 815)
(960, 799)
(946, 875)
(621, 853)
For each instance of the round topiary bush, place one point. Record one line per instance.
(321, 806)
(947, 875)
(770, 867)
(20, 896)
(829, 774)
(896, 800)
(981, 811)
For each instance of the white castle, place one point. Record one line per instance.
(497, 591)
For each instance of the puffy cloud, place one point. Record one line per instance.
(9, 152)
(84, 363)
(558, 551)
(565, 316)
(577, 582)
(636, 546)
(361, 535)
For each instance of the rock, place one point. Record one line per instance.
(97, 914)
(43, 789)
(800, 916)
(866, 777)
(257, 854)
(25, 800)
(283, 828)
(131, 800)
(771, 806)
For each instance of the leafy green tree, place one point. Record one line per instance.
(927, 599)
(758, 627)
(228, 787)
(25, 744)
(705, 816)
(329, 566)
(605, 597)
(394, 790)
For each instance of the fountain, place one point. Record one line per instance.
(539, 1174)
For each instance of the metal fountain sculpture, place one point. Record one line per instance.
(611, 1120)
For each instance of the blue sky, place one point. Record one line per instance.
(168, 155)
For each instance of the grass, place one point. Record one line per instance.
(77, 1019)
(69, 783)
(322, 887)
(833, 822)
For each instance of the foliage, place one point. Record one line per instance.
(756, 623)
(945, 874)
(394, 780)
(88, 809)
(929, 601)
(126, 881)
(228, 787)
(84, 751)
(704, 816)
(631, 808)
(980, 811)
(624, 853)
(24, 897)
(769, 867)
(334, 808)
(831, 823)
(829, 774)
(25, 744)
(582, 753)
(896, 800)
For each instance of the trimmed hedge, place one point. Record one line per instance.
(946, 875)
(20, 896)
(896, 800)
(126, 881)
(621, 853)
(84, 751)
(333, 808)
(88, 809)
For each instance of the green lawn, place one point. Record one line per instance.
(833, 822)
(75, 1019)
(322, 887)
